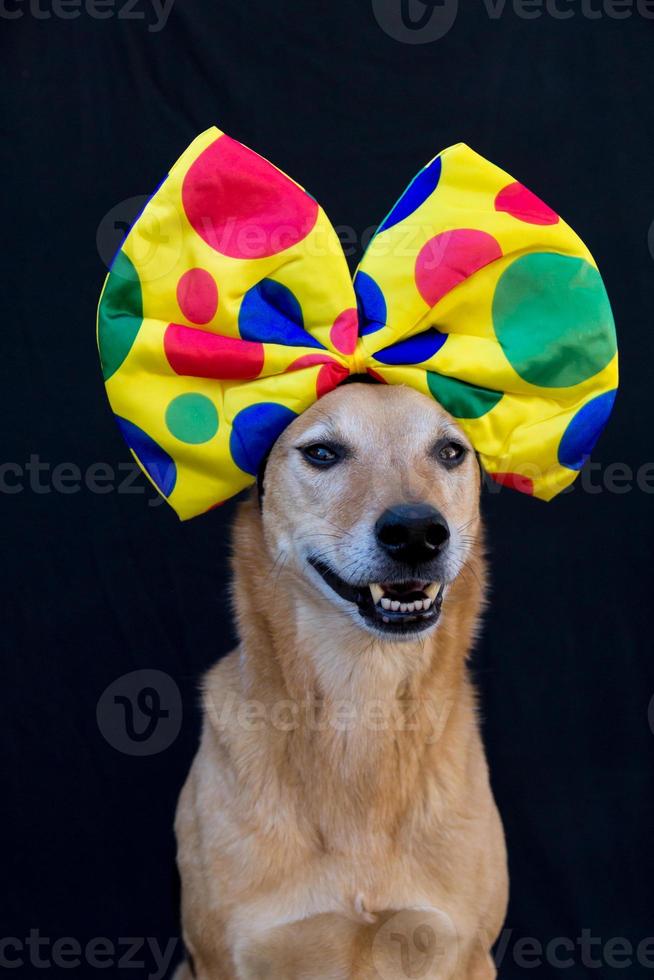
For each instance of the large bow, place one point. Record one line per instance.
(229, 310)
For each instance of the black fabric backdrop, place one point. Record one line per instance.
(97, 585)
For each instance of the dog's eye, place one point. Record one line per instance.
(450, 453)
(321, 454)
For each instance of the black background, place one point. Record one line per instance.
(96, 585)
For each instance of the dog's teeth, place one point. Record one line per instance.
(426, 603)
(386, 603)
(376, 592)
(395, 605)
(410, 606)
(403, 607)
(432, 589)
(417, 604)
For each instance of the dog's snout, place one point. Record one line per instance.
(412, 533)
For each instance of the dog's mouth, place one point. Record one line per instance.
(392, 607)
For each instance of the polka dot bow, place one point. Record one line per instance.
(229, 310)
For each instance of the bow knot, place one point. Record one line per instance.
(359, 359)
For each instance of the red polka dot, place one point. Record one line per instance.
(376, 376)
(515, 481)
(345, 331)
(329, 377)
(197, 295)
(519, 202)
(310, 360)
(201, 354)
(242, 206)
(450, 258)
(330, 374)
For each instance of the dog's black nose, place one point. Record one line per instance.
(412, 533)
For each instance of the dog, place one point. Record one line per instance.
(337, 821)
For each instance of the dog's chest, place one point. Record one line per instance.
(368, 877)
(340, 896)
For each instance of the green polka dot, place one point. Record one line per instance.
(192, 418)
(120, 314)
(460, 399)
(553, 319)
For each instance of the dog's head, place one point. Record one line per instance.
(372, 498)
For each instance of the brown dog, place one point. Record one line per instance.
(338, 821)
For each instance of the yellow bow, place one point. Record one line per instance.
(229, 310)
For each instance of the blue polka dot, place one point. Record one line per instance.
(255, 430)
(271, 314)
(156, 462)
(584, 430)
(413, 350)
(422, 185)
(371, 304)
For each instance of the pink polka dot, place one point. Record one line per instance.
(519, 202)
(450, 258)
(329, 377)
(345, 331)
(376, 376)
(515, 481)
(202, 354)
(242, 206)
(197, 295)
